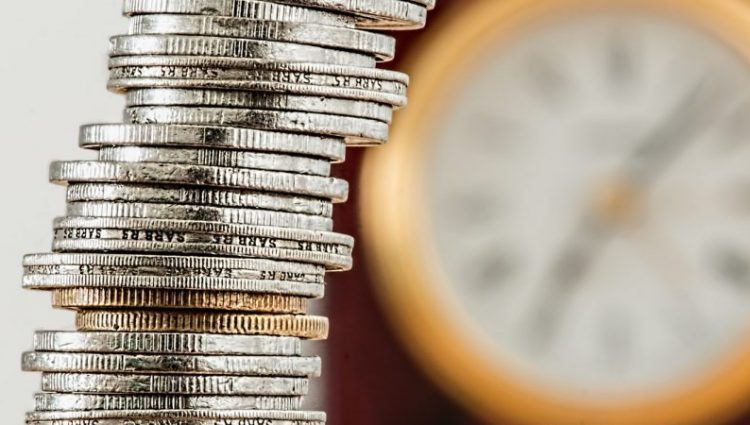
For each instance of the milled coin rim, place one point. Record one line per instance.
(93, 136)
(51, 402)
(66, 172)
(117, 363)
(297, 164)
(196, 45)
(165, 211)
(105, 383)
(353, 129)
(304, 327)
(380, 45)
(166, 343)
(198, 414)
(146, 298)
(188, 97)
(231, 198)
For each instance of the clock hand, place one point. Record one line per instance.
(648, 161)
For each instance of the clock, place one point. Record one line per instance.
(559, 228)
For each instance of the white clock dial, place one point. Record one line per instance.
(589, 192)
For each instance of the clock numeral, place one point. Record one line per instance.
(732, 265)
(494, 269)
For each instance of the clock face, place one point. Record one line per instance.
(588, 196)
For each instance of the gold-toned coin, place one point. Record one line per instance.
(80, 298)
(307, 327)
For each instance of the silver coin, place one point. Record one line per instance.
(372, 14)
(290, 72)
(258, 100)
(98, 135)
(290, 288)
(171, 266)
(199, 196)
(64, 172)
(379, 45)
(63, 271)
(123, 79)
(251, 9)
(165, 343)
(171, 384)
(271, 51)
(248, 216)
(190, 417)
(83, 402)
(357, 131)
(171, 364)
(375, 14)
(217, 158)
(86, 234)
(300, 79)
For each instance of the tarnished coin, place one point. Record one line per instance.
(89, 234)
(251, 9)
(217, 158)
(190, 417)
(356, 131)
(63, 172)
(379, 45)
(82, 298)
(172, 384)
(258, 100)
(80, 402)
(270, 51)
(99, 135)
(165, 343)
(171, 364)
(306, 327)
(249, 216)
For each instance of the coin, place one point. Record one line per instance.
(63, 172)
(100, 383)
(199, 196)
(135, 266)
(257, 100)
(82, 298)
(171, 364)
(306, 327)
(356, 131)
(87, 234)
(191, 417)
(165, 343)
(84, 402)
(249, 216)
(217, 158)
(98, 135)
(250, 9)
(379, 45)
(190, 45)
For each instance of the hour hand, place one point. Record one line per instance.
(567, 273)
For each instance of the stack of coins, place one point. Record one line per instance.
(192, 246)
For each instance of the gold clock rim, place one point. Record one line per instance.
(390, 186)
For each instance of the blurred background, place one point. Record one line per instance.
(558, 232)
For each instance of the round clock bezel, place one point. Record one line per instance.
(398, 243)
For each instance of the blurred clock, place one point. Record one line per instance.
(560, 226)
